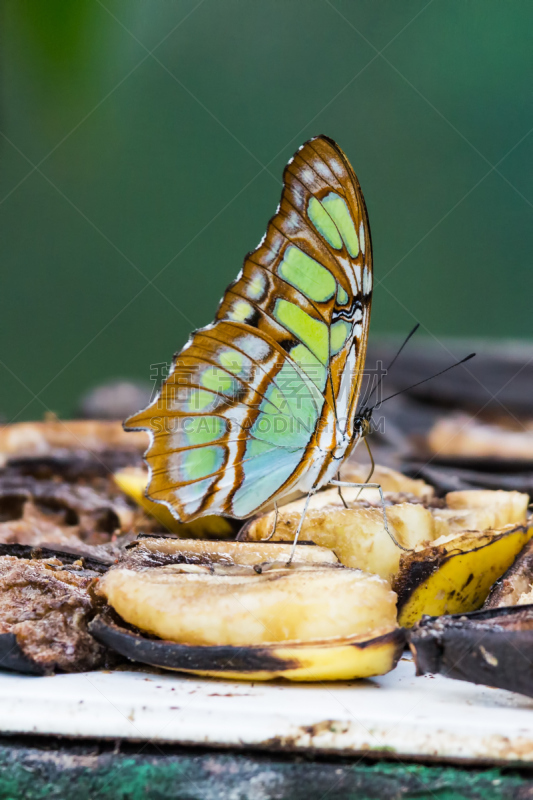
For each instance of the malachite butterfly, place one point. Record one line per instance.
(263, 401)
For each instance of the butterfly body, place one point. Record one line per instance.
(264, 400)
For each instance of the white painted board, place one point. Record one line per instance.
(399, 713)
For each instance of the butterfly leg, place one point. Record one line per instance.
(273, 531)
(345, 504)
(372, 466)
(385, 521)
(299, 528)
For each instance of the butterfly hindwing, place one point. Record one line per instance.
(264, 399)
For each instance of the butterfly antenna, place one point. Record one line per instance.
(378, 384)
(419, 383)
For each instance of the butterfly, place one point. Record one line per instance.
(263, 401)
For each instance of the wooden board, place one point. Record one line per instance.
(398, 714)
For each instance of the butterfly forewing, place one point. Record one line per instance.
(264, 399)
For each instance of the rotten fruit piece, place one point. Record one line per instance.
(95, 559)
(76, 466)
(459, 546)
(456, 575)
(515, 588)
(44, 610)
(460, 435)
(133, 481)
(36, 511)
(41, 438)
(219, 605)
(492, 647)
(78, 504)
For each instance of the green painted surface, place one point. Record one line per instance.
(55, 770)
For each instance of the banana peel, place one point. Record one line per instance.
(492, 647)
(133, 482)
(456, 577)
(459, 548)
(515, 588)
(336, 659)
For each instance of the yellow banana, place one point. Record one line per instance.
(133, 481)
(456, 577)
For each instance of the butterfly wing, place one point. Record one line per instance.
(264, 398)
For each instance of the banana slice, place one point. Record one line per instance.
(221, 605)
(356, 535)
(237, 610)
(227, 552)
(482, 510)
(463, 436)
(459, 548)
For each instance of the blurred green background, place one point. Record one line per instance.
(142, 148)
